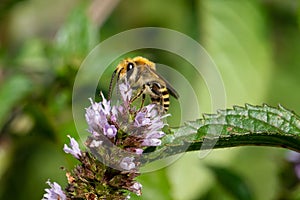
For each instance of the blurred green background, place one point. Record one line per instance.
(254, 43)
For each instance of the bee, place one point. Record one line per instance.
(143, 79)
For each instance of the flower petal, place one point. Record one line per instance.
(73, 149)
(54, 193)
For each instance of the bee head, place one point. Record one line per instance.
(126, 68)
(140, 61)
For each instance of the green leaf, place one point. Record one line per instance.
(249, 125)
(232, 182)
(235, 35)
(77, 37)
(11, 92)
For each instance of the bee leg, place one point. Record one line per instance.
(143, 100)
(138, 94)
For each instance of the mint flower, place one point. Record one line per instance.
(153, 138)
(118, 136)
(96, 115)
(141, 120)
(142, 127)
(110, 131)
(151, 142)
(54, 193)
(74, 149)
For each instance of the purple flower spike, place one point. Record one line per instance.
(151, 142)
(105, 105)
(95, 116)
(150, 118)
(74, 149)
(110, 131)
(141, 120)
(155, 134)
(114, 114)
(54, 193)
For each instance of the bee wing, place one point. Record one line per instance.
(171, 90)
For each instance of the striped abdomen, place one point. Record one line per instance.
(161, 98)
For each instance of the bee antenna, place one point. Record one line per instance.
(111, 84)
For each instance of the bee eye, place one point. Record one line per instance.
(130, 66)
(129, 69)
